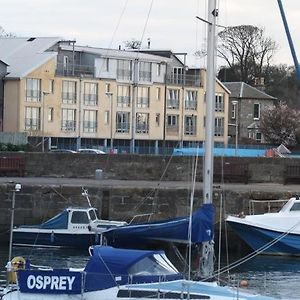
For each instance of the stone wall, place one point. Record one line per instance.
(143, 167)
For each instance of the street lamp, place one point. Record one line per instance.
(110, 96)
(16, 189)
(235, 103)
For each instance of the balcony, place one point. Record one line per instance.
(187, 80)
(76, 71)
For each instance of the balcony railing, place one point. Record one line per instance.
(76, 71)
(68, 125)
(142, 102)
(124, 74)
(32, 124)
(123, 127)
(187, 80)
(89, 126)
(142, 128)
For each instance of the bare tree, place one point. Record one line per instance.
(280, 124)
(246, 50)
(132, 44)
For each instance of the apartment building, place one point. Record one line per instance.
(64, 95)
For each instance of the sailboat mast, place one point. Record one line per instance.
(210, 102)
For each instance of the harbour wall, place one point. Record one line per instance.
(144, 167)
(36, 203)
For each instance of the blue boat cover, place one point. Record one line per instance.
(59, 221)
(110, 266)
(172, 230)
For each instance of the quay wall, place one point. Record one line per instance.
(36, 203)
(144, 167)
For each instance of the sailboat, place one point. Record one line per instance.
(113, 273)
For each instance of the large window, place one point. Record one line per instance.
(68, 120)
(172, 124)
(143, 97)
(124, 69)
(145, 71)
(123, 96)
(90, 93)
(256, 112)
(219, 104)
(69, 92)
(190, 125)
(123, 124)
(32, 118)
(33, 90)
(173, 99)
(142, 123)
(219, 126)
(191, 100)
(90, 121)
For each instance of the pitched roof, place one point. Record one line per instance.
(114, 53)
(23, 55)
(244, 90)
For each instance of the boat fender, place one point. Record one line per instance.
(244, 283)
(52, 237)
(17, 263)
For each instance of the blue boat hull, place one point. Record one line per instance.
(56, 240)
(257, 238)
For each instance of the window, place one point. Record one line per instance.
(32, 118)
(172, 124)
(90, 121)
(143, 97)
(50, 114)
(295, 207)
(90, 93)
(158, 69)
(233, 110)
(66, 61)
(51, 86)
(258, 137)
(106, 117)
(158, 93)
(107, 88)
(256, 112)
(106, 65)
(157, 119)
(123, 124)
(190, 125)
(68, 120)
(219, 104)
(124, 69)
(123, 96)
(177, 75)
(173, 99)
(219, 126)
(33, 90)
(191, 100)
(69, 92)
(145, 71)
(142, 123)
(79, 217)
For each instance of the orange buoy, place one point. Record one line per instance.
(244, 283)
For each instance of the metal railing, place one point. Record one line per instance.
(268, 205)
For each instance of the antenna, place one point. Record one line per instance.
(86, 195)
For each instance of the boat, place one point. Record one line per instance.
(175, 231)
(272, 233)
(74, 227)
(113, 273)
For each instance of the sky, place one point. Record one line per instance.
(169, 24)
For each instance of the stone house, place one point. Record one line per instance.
(246, 103)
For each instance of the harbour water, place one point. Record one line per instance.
(274, 276)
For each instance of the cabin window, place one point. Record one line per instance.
(93, 215)
(295, 207)
(80, 217)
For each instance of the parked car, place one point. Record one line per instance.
(62, 151)
(91, 151)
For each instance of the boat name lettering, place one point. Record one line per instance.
(53, 282)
